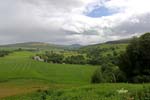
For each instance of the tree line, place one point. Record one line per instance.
(53, 57)
(93, 57)
(4, 53)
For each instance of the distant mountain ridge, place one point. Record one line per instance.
(119, 41)
(40, 45)
(48, 46)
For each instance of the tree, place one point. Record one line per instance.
(135, 61)
(54, 57)
(97, 76)
(108, 72)
(4, 53)
(78, 59)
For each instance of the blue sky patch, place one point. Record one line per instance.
(99, 12)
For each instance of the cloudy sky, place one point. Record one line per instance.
(72, 21)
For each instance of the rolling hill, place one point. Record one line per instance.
(39, 45)
(42, 45)
(107, 47)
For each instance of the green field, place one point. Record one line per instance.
(22, 78)
(19, 66)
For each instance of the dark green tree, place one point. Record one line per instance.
(78, 59)
(54, 57)
(97, 76)
(135, 62)
(108, 72)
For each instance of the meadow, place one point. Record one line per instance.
(19, 68)
(22, 78)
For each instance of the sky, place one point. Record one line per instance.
(72, 21)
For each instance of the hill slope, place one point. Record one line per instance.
(32, 45)
(107, 47)
(39, 45)
(19, 65)
(47, 46)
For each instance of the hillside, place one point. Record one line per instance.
(21, 72)
(48, 46)
(19, 65)
(121, 41)
(107, 47)
(39, 45)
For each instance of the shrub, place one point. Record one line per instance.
(97, 76)
(4, 53)
(108, 73)
(143, 94)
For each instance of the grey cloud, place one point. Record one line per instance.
(53, 21)
(135, 24)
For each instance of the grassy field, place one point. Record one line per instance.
(19, 68)
(22, 78)
(19, 65)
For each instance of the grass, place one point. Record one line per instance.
(20, 66)
(22, 78)
(20, 73)
(89, 92)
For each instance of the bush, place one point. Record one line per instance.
(4, 53)
(97, 76)
(142, 94)
(141, 78)
(107, 73)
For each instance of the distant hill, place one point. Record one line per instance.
(48, 46)
(74, 46)
(32, 45)
(108, 47)
(115, 42)
(40, 45)
(123, 41)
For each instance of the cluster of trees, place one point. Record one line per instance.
(133, 65)
(96, 57)
(108, 73)
(4, 53)
(52, 57)
(78, 59)
(135, 62)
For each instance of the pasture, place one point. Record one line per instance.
(22, 78)
(20, 71)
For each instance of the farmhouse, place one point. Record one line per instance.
(37, 58)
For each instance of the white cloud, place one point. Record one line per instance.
(65, 21)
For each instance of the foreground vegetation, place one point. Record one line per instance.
(91, 92)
